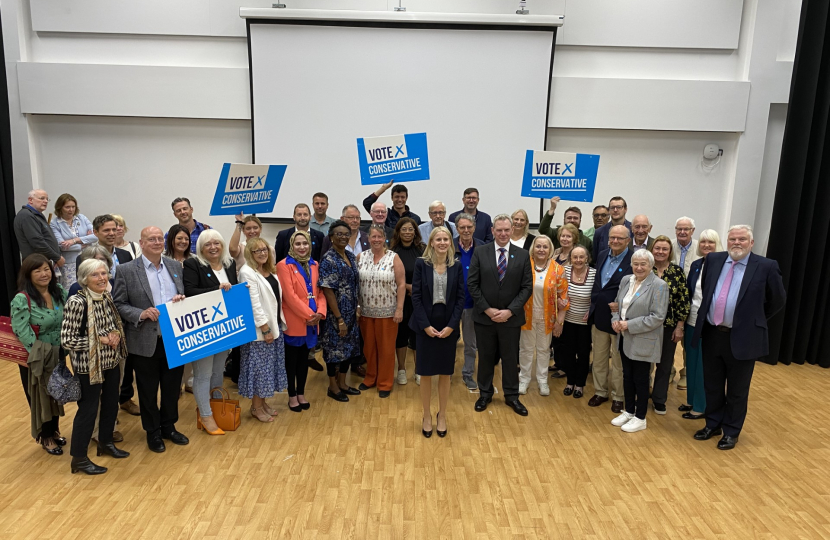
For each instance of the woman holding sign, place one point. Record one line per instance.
(305, 307)
(262, 367)
(212, 269)
(340, 336)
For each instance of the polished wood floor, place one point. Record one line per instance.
(362, 470)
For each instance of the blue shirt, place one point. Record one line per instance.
(734, 289)
(465, 258)
(426, 230)
(683, 251)
(161, 282)
(610, 266)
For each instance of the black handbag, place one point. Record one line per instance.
(63, 386)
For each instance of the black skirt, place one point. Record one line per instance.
(436, 356)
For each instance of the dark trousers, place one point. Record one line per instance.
(635, 384)
(127, 391)
(662, 371)
(573, 349)
(296, 368)
(496, 341)
(106, 394)
(342, 367)
(49, 428)
(726, 381)
(152, 372)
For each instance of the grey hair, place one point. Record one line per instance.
(374, 204)
(94, 251)
(502, 217)
(86, 268)
(685, 218)
(712, 236)
(436, 204)
(349, 206)
(463, 215)
(643, 254)
(736, 227)
(31, 194)
(208, 236)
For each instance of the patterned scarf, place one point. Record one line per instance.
(302, 260)
(96, 375)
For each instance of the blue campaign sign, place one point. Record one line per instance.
(206, 324)
(402, 157)
(560, 174)
(250, 189)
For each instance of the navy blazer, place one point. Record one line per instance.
(600, 313)
(601, 240)
(281, 246)
(200, 279)
(761, 296)
(422, 283)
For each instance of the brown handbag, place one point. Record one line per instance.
(226, 411)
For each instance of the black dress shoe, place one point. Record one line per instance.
(305, 406)
(384, 393)
(155, 444)
(176, 438)
(558, 374)
(56, 451)
(314, 364)
(684, 408)
(727, 442)
(692, 416)
(60, 441)
(110, 450)
(363, 387)
(295, 408)
(86, 466)
(339, 396)
(350, 391)
(481, 403)
(568, 391)
(577, 394)
(517, 407)
(707, 433)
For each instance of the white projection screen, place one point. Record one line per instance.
(479, 91)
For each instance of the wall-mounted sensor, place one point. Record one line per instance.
(711, 151)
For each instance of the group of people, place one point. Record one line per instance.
(365, 295)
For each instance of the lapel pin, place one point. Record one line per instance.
(208, 275)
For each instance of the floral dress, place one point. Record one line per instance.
(343, 280)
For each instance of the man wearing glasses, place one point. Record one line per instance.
(379, 213)
(573, 215)
(437, 213)
(600, 216)
(32, 230)
(612, 265)
(484, 225)
(618, 208)
(359, 240)
(684, 253)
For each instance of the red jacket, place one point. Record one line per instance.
(295, 297)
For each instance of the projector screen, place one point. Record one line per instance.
(480, 93)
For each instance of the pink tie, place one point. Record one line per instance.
(720, 303)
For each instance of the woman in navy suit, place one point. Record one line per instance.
(695, 393)
(437, 303)
(212, 269)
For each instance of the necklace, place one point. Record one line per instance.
(574, 278)
(543, 268)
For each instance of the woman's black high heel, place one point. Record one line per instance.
(56, 451)
(438, 431)
(295, 408)
(60, 441)
(426, 433)
(110, 450)
(86, 466)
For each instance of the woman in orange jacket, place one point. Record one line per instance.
(544, 313)
(304, 308)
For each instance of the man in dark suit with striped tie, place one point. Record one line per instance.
(500, 283)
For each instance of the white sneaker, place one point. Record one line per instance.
(635, 424)
(622, 419)
(544, 389)
(401, 376)
(417, 379)
(523, 388)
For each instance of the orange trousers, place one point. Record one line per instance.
(379, 349)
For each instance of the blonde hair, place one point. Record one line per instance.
(429, 253)
(120, 221)
(571, 228)
(712, 236)
(527, 220)
(544, 238)
(254, 244)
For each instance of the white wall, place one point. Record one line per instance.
(163, 90)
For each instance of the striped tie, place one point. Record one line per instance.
(502, 264)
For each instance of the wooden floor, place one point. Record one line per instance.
(362, 470)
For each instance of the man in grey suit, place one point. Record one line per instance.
(500, 283)
(140, 286)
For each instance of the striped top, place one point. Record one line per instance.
(579, 295)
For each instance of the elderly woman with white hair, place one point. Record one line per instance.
(93, 335)
(212, 269)
(437, 215)
(642, 302)
(695, 405)
(519, 235)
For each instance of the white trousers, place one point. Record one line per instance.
(534, 343)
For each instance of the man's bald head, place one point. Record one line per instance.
(618, 238)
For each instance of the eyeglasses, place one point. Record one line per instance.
(682, 229)
(603, 215)
(259, 251)
(342, 234)
(351, 218)
(437, 213)
(618, 238)
(154, 240)
(617, 207)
